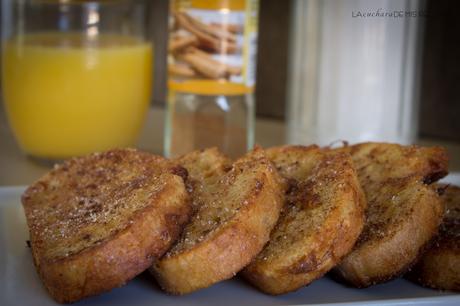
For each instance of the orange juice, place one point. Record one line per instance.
(66, 95)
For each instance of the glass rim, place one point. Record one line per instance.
(82, 2)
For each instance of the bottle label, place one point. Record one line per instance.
(211, 44)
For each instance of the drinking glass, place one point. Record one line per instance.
(77, 75)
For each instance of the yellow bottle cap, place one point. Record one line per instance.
(210, 87)
(237, 5)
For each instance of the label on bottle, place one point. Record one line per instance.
(213, 44)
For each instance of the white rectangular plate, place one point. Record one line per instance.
(20, 285)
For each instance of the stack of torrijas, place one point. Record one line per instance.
(283, 217)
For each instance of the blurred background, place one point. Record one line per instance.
(323, 67)
(436, 54)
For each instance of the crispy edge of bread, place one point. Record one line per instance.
(380, 260)
(212, 159)
(333, 240)
(205, 166)
(119, 257)
(234, 244)
(439, 267)
(431, 163)
(374, 262)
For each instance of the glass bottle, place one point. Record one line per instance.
(211, 76)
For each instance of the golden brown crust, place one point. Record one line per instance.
(219, 243)
(403, 213)
(97, 221)
(322, 218)
(439, 267)
(380, 161)
(204, 167)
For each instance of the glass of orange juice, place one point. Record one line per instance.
(77, 75)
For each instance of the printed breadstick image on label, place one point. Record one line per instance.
(213, 40)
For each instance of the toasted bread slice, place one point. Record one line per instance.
(321, 221)
(439, 267)
(237, 207)
(97, 221)
(205, 169)
(403, 213)
(381, 161)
